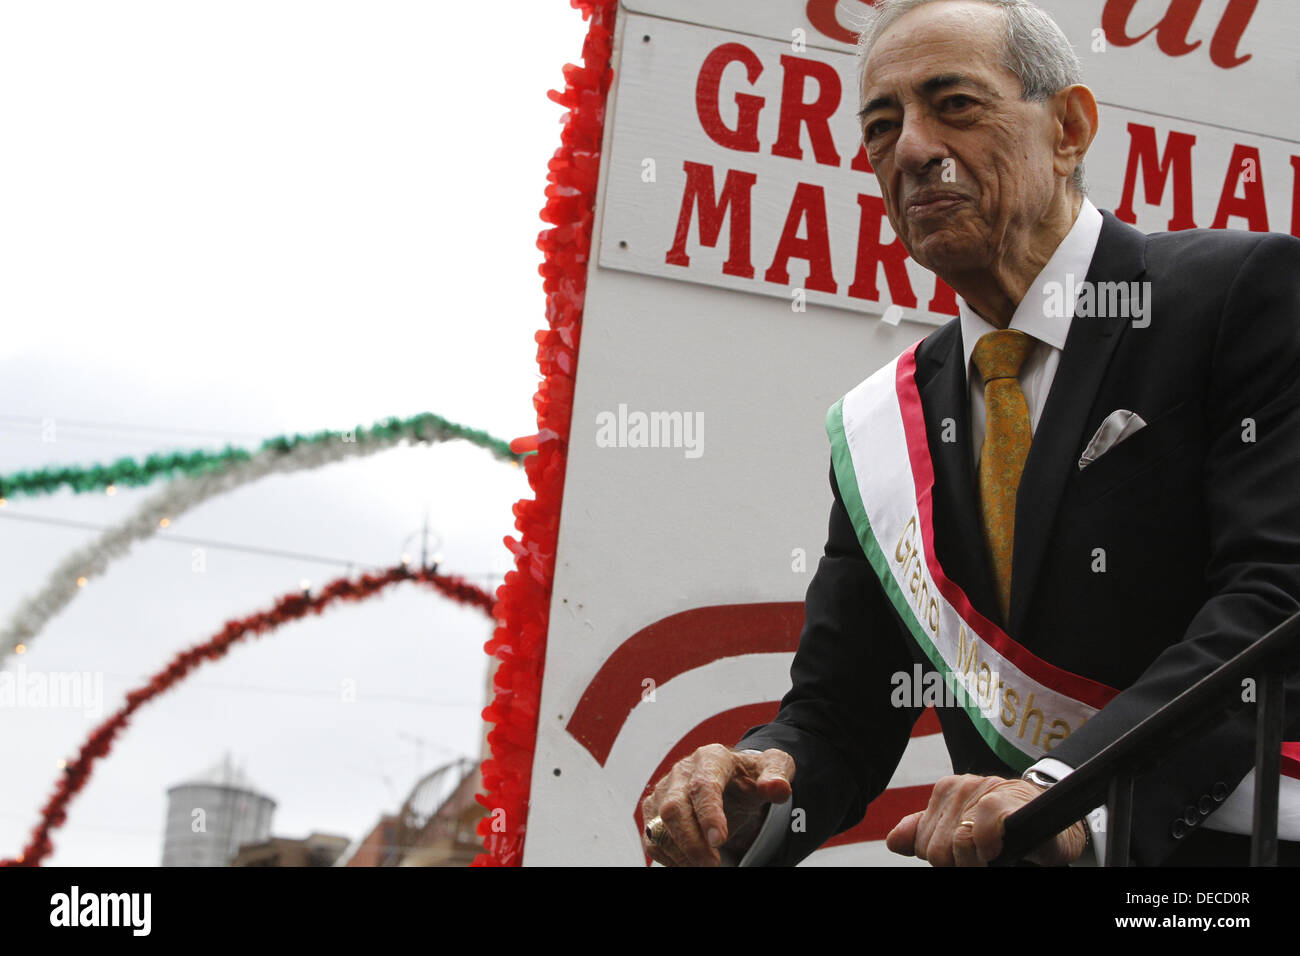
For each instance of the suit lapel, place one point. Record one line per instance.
(1058, 440)
(959, 535)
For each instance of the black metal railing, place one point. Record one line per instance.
(1108, 777)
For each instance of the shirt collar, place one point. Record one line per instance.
(1068, 267)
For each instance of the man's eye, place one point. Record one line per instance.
(876, 128)
(958, 102)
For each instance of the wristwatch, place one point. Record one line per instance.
(1038, 778)
(1044, 780)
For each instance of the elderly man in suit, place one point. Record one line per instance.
(1070, 510)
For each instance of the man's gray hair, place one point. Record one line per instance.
(1036, 50)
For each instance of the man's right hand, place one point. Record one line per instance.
(712, 803)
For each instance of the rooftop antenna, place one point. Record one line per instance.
(425, 531)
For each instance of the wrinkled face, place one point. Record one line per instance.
(965, 165)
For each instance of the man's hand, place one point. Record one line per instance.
(963, 825)
(712, 803)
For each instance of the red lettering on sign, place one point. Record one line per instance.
(1171, 32)
(1243, 169)
(809, 203)
(1173, 29)
(795, 113)
(708, 89)
(821, 14)
(1223, 48)
(1155, 174)
(945, 298)
(736, 192)
(872, 255)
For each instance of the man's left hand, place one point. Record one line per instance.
(963, 825)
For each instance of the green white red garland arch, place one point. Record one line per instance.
(290, 607)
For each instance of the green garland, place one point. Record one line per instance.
(130, 472)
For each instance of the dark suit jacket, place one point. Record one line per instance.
(1200, 530)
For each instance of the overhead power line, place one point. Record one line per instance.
(233, 546)
(32, 421)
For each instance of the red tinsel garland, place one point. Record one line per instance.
(525, 597)
(288, 608)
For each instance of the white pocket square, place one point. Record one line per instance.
(1119, 424)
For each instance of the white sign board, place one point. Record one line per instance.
(697, 493)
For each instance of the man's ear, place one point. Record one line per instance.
(1077, 120)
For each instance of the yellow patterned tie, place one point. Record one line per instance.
(1007, 434)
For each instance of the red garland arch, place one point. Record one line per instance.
(525, 597)
(288, 608)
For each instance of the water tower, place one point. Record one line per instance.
(210, 817)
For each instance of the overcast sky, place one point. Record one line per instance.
(227, 221)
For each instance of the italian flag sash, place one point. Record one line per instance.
(1021, 705)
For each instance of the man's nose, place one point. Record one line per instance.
(918, 146)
